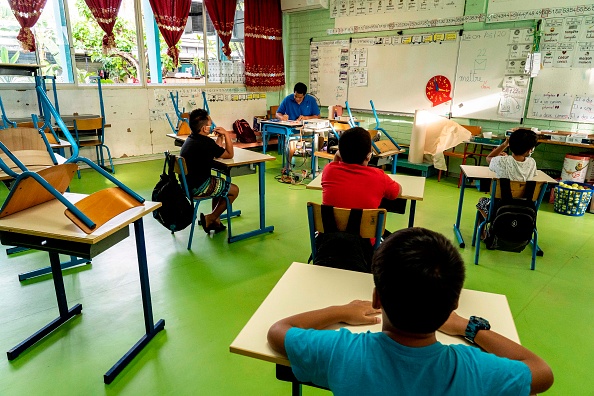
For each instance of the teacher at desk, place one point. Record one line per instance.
(298, 106)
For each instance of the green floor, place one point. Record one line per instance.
(208, 294)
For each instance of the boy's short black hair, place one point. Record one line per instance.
(354, 145)
(198, 119)
(522, 140)
(418, 276)
(300, 88)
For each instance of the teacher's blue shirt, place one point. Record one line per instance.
(308, 107)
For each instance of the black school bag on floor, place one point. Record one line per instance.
(515, 219)
(244, 132)
(176, 212)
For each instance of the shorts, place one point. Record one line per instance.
(212, 187)
(484, 204)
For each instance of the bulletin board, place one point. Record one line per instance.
(328, 71)
(502, 6)
(367, 12)
(564, 88)
(396, 70)
(490, 80)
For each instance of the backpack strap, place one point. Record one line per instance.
(529, 190)
(328, 220)
(354, 224)
(505, 186)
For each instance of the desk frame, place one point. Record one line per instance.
(55, 245)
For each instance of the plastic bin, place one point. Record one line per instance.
(572, 202)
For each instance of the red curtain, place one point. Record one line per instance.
(264, 63)
(222, 14)
(27, 12)
(105, 13)
(171, 17)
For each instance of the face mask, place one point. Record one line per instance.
(212, 127)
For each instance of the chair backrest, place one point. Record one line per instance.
(183, 128)
(372, 220)
(340, 126)
(22, 138)
(475, 130)
(48, 134)
(518, 188)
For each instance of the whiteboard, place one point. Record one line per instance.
(496, 6)
(485, 69)
(370, 12)
(398, 74)
(565, 94)
(328, 71)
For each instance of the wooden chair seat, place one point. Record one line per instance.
(102, 206)
(29, 192)
(324, 154)
(369, 221)
(453, 154)
(89, 143)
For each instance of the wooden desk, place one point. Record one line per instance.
(306, 287)
(241, 158)
(45, 227)
(483, 172)
(413, 189)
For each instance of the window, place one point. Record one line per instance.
(200, 52)
(121, 65)
(53, 49)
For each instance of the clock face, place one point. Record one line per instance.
(438, 90)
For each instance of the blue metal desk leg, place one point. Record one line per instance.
(150, 328)
(65, 313)
(411, 215)
(296, 389)
(73, 262)
(459, 215)
(262, 193)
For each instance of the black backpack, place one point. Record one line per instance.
(343, 249)
(515, 219)
(176, 212)
(244, 132)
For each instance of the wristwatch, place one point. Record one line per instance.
(475, 323)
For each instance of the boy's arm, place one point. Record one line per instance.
(354, 313)
(223, 134)
(497, 150)
(492, 342)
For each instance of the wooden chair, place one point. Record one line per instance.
(475, 131)
(34, 188)
(518, 191)
(373, 223)
(182, 171)
(29, 148)
(90, 132)
(50, 136)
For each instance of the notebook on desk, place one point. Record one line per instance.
(289, 123)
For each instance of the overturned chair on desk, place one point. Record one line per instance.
(351, 227)
(511, 218)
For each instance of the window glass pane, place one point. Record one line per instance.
(220, 68)
(121, 65)
(53, 52)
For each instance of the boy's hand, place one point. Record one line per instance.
(284, 117)
(220, 131)
(360, 312)
(455, 325)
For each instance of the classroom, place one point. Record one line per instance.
(431, 76)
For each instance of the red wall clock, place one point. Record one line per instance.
(438, 90)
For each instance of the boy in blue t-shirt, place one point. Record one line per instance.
(418, 278)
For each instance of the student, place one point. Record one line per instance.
(418, 278)
(519, 166)
(199, 150)
(298, 106)
(347, 182)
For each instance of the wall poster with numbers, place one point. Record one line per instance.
(329, 71)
